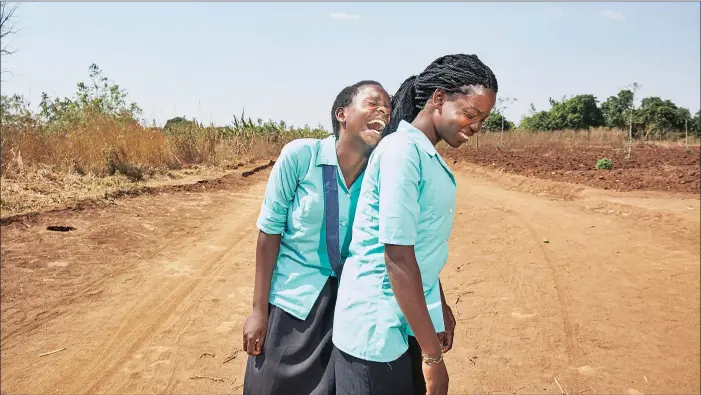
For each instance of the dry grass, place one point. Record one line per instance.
(104, 147)
(600, 137)
(43, 189)
(42, 171)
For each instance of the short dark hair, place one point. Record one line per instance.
(450, 73)
(344, 98)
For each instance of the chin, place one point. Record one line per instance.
(371, 140)
(455, 144)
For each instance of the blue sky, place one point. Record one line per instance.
(287, 61)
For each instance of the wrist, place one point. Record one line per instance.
(433, 351)
(261, 307)
(432, 360)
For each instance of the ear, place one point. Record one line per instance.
(340, 115)
(439, 97)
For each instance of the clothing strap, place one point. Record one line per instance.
(330, 178)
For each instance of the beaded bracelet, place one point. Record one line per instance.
(432, 361)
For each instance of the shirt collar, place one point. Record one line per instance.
(422, 141)
(326, 155)
(418, 136)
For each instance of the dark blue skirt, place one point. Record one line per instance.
(403, 376)
(297, 355)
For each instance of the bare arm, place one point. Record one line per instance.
(280, 191)
(271, 224)
(446, 338)
(405, 279)
(267, 250)
(256, 327)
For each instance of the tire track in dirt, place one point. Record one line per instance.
(504, 303)
(245, 242)
(556, 282)
(59, 309)
(149, 304)
(175, 299)
(581, 292)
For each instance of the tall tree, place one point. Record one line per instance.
(616, 109)
(657, 116)
(578, 112)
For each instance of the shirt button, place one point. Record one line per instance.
(343, 223)
(451, 210)
(348, 194)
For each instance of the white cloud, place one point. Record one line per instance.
(614, 15)
(343, 15)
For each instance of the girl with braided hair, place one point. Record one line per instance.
(304, 225)
(390, 289)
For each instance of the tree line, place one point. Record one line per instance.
(653, 118)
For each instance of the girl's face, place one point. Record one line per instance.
(367, 115)
(458, 116)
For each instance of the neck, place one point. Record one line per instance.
(352, 158)
(424, 124)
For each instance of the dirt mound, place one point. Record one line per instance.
(655, 168)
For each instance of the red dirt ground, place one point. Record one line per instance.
(556, 287)
(653, 168)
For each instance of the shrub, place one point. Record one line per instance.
(604, 164)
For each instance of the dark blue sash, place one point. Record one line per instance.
(333, 249)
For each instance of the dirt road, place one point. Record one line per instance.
(149, 295)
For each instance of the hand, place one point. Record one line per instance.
(446, 338)
(254, 331)
(436, 376)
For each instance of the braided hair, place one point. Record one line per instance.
(344, 98)
(451, 73)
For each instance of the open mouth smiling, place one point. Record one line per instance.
(376, 125)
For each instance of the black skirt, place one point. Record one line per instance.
(403, 376)
(297, 355)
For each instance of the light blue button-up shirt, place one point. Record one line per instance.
(294, 208)
(407, 198)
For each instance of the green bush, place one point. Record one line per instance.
(604, 164)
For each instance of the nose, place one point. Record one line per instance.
(476, 127)
(384, 110)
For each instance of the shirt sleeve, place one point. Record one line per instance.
(400, 174)
(280, 191)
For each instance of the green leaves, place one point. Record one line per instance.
(578, 112)
(655, 116)
(96, 98)
(493, 123)
(616, 109)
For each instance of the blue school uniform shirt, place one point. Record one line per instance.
(407, 198)
(293, 207)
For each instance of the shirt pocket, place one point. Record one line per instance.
(439, 203)
(429, 218)
(311, 213)
(302, 213)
